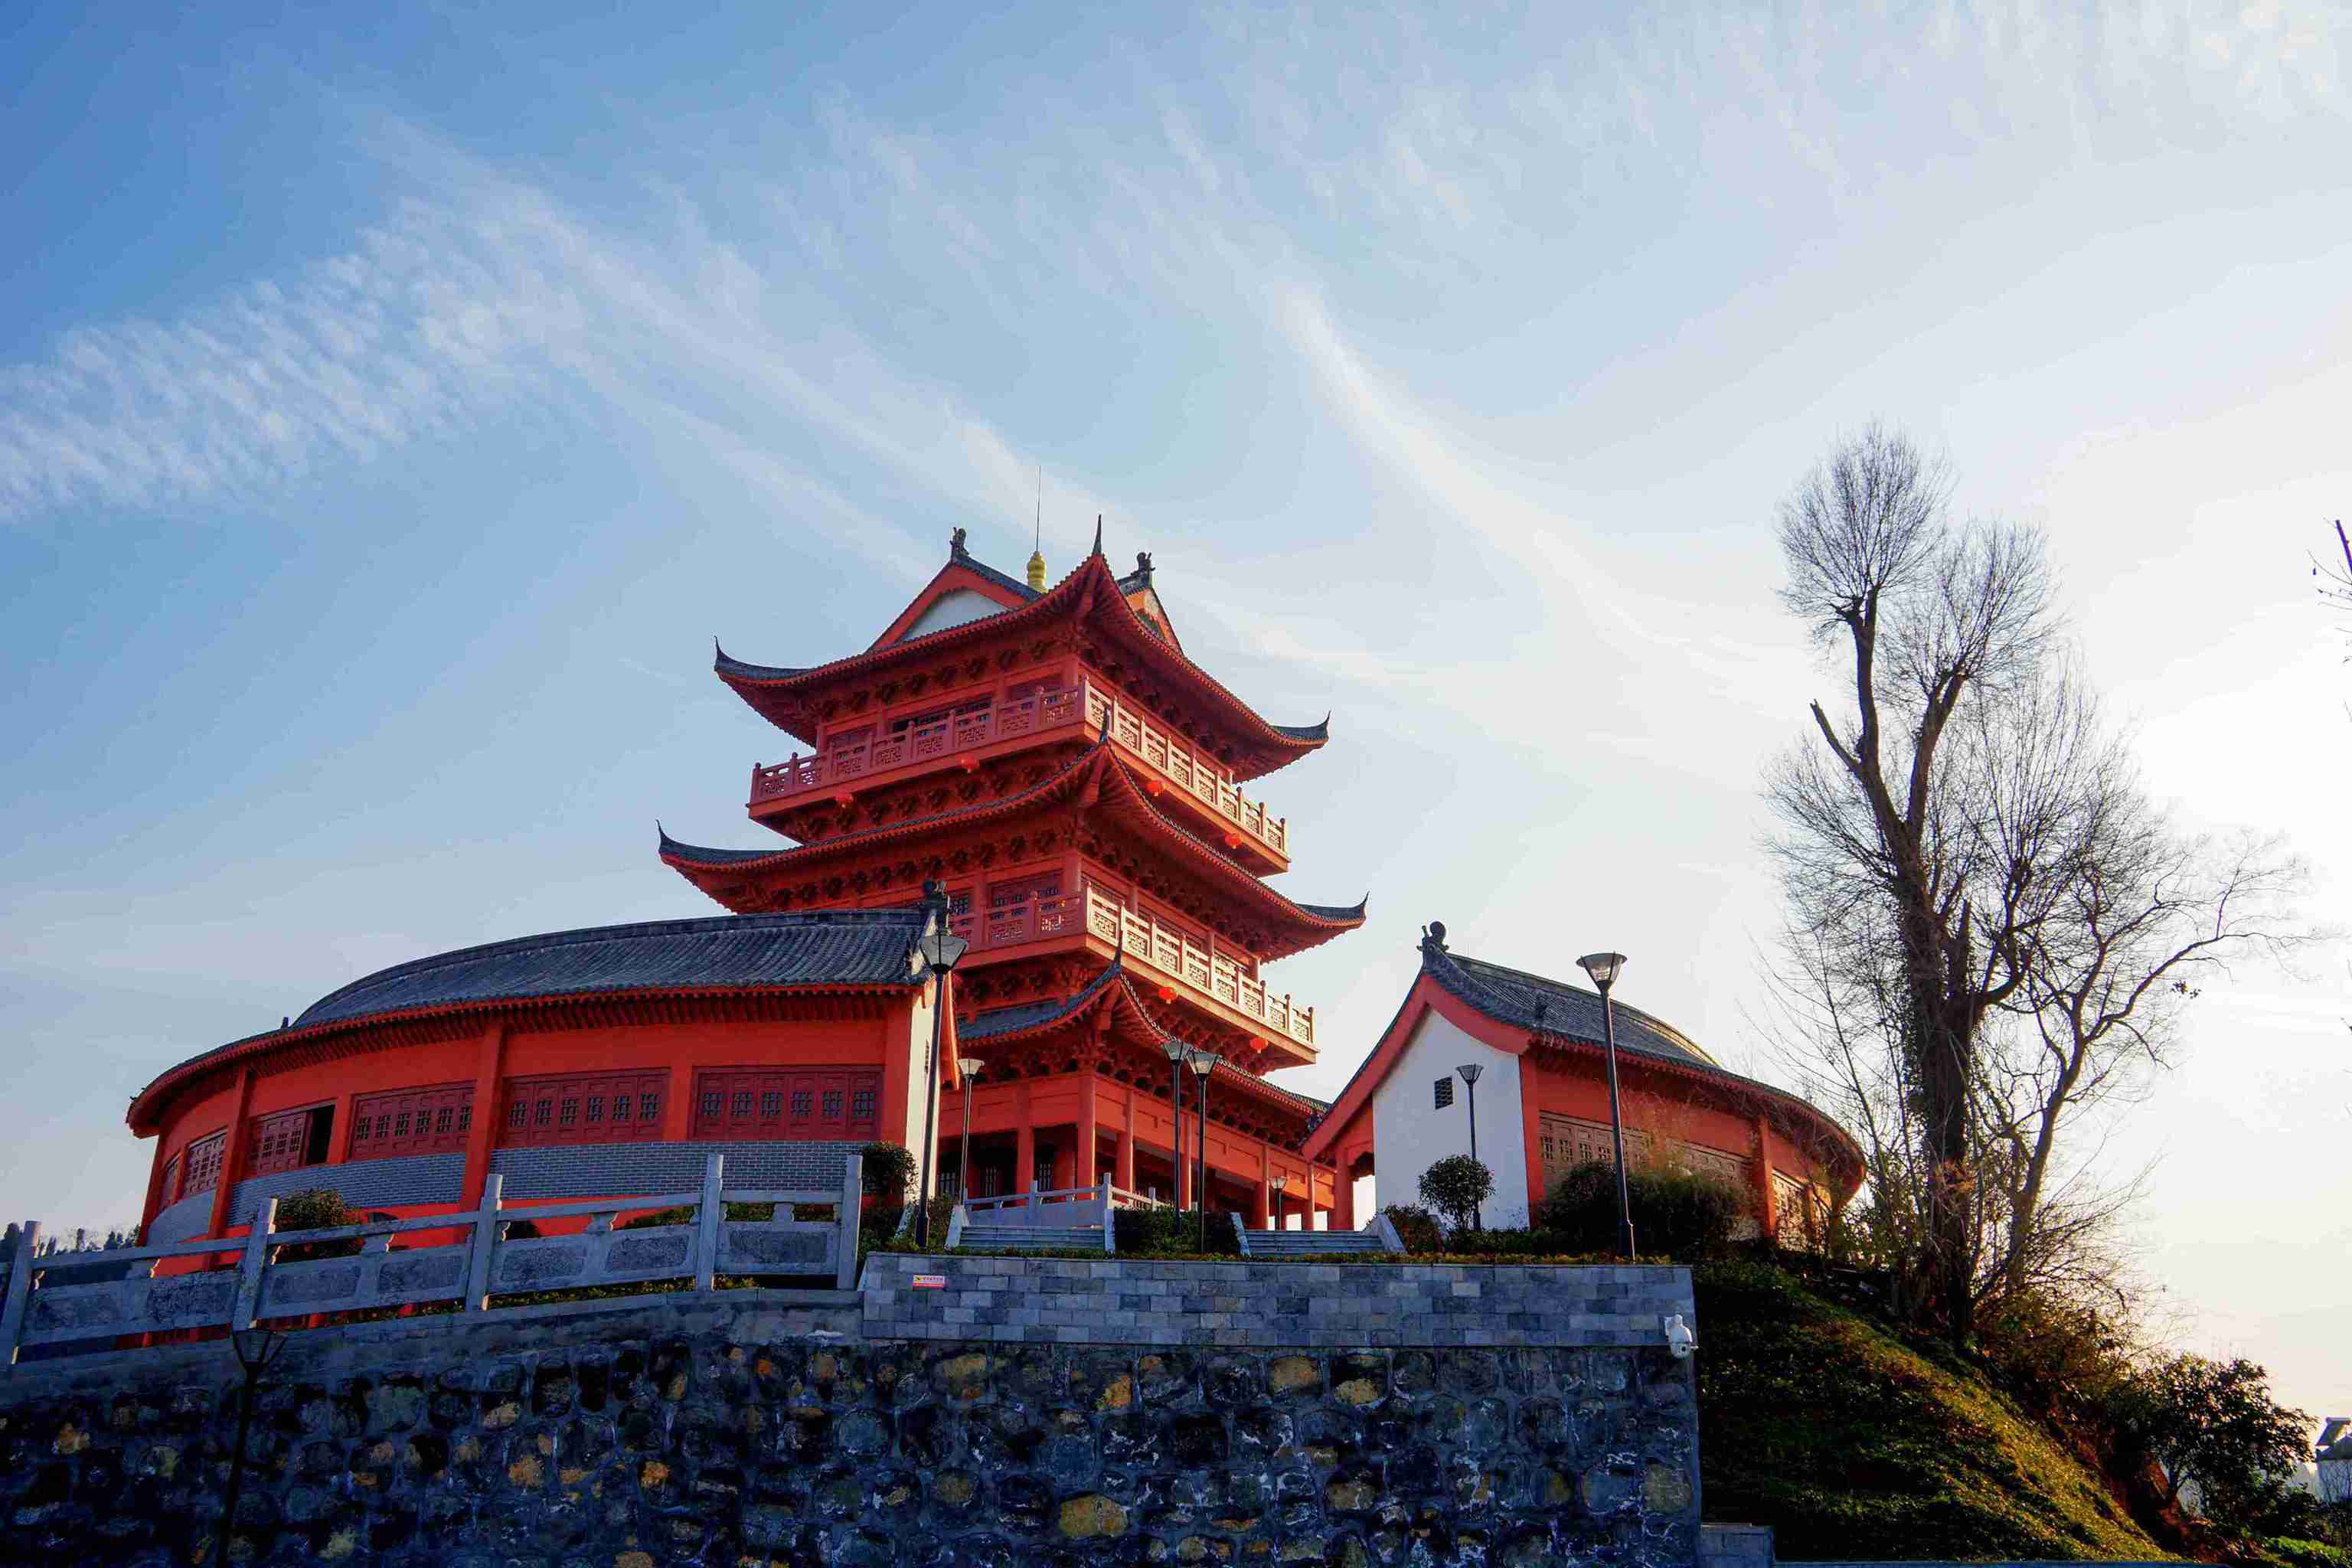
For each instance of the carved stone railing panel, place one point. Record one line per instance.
(40, 1306)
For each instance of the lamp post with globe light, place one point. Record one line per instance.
(1470, 1077)
(1200, 1062)
(940, 949)
(1605, 967)
(967, 1069)
(1177, 1050)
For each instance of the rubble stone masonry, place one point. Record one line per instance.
(787, 1427)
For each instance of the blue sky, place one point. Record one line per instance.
(390, 416)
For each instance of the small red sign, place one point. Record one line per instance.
(931, 1283)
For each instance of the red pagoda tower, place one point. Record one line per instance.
(1052, 759)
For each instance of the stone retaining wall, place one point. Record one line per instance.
(768, 1428)
(1067, 1301)
(735, 1427)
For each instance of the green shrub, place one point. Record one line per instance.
(888, 1178)
(317, 1208)
(1146, 1232)
(1455, 1186)
(1416, 1228)
(1676, 1215)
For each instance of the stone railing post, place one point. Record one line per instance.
(481, 1255)
(708, 1218)
(251, 1266)
(20, 1286)
(1111, 1238)
(853, 1204)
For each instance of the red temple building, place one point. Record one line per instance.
(1048, 758)
(1044, 770)
(1055, 761)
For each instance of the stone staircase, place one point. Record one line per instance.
(1309, 1245)
(1032, 1238)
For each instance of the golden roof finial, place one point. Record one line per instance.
(1037, 554)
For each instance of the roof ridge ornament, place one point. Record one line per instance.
(1097, 549)
(955, 544)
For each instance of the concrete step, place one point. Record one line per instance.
(1021, 1238)
(1313, 1243)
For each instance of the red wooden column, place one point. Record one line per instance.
(1024, 1143)
(232, 1151)
(1123, 1174)
(482, 1135)
(1262, 1191)
(1084, 1154)
(1768, 1204)
(1531, 1130)
(1343, 1194)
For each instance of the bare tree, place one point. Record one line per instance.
(1896, 886)
(1994, 931)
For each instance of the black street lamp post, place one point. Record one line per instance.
(967, 1069)
(1603, 968)
(1200, 1062)
(1177, 1050)
(940, 948)
(1470, 1077)
(1277, 1183)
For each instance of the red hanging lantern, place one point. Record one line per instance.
(1233, 840)
(1167, 992)
(1153, 788)
(968, 762)
(843, 800)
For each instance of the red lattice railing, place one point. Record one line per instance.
(1167, 756)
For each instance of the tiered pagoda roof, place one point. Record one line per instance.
(789, 697)
(1096, 781)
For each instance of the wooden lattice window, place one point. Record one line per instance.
(583, 1107)
(204, 1163)
(288, 1140)
(433, 1121)
(787, 1102)
(168, 1192)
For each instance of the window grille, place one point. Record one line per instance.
(1446, 1091)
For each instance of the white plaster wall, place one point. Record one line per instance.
(955, 608)
(918, 1060)
(1409, 1133)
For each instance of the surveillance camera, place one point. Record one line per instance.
(1679, 1338)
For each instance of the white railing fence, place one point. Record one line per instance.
(42, 1308)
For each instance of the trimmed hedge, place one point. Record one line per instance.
(1685, 1217)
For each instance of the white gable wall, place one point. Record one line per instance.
(956, 608)
(1409, 1133)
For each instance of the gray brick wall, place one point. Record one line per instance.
(1271, 1305)
(616, 1170)
(364, 1184)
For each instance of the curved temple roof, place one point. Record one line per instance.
(1554, 1010)
(820, 950)
(1113, 986)
(1542, 1006)
(773, 690)
(1097, 769)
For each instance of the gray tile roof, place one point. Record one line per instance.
(1029, 1015)
(838, 947)
(1533, 1003)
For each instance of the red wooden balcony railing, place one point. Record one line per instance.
(1006, 718)
(1169, 952)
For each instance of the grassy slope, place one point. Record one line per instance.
(1852, 1443)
